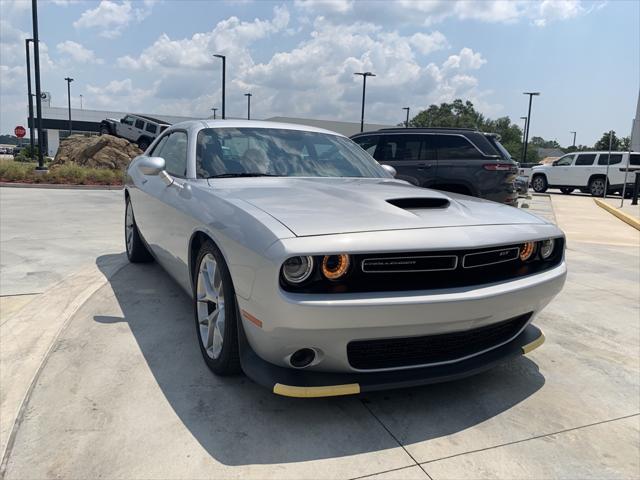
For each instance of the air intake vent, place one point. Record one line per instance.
(420, 202)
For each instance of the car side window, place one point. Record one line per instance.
(565, 161)
(585, 159)
(128, 120)
(400, 148)
(454, 147)
(140, 124)
(158, 148)
(369, 144)
(634, 159)
(151, 128)
(174, 152)
(615, 158)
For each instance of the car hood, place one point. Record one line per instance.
(322, 206)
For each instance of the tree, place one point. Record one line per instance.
(625, 143)
(603, 143)
(540, 142)
(464, 115)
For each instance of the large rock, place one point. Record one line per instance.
(105, 151)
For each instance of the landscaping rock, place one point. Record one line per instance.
(105, 151)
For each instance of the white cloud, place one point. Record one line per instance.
(111, 17)
(428, 43)
(467, 59)
(119, 95)
(12, 78)
(78, 53)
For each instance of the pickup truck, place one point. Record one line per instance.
(139, 129)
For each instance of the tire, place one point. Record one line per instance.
(539, 183)
(596, 186)
(104, 130)
(144, 143)
(218, 340)
(567, 190)
(137, 251)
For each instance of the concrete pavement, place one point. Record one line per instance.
(123, 392)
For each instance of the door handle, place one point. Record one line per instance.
(424, 166)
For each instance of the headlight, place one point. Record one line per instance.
(546, 248)
(335, 266)
(527, 250)
(297, 269)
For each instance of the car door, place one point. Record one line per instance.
(559, 173)
(125, 127)
(616, 169)
(460, 165)
(582, 169)
(411, 155)
(138, 129)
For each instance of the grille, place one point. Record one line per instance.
(409, 351)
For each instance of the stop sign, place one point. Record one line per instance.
(20, 131)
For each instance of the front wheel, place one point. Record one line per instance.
(143, 144)
(567, 190)
(596, 187)
(104, 131)
(137, 251)
(539, 184)
(216, 312)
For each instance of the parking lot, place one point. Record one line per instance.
(101, 375)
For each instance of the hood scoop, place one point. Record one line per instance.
(419, 203)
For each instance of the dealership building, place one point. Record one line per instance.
(55, 123)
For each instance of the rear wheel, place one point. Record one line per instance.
(215, 312)
(137, 251)
(104, 130)
(596, 186)
(539, 183)
(567, 190)
(144, 143)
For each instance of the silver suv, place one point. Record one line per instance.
(139, 129)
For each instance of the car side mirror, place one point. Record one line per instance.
(390, 170)
(151, 165)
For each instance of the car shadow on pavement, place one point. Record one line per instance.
(240, 423)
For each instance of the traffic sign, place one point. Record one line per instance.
(20, 131)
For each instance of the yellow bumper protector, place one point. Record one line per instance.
(315, 392)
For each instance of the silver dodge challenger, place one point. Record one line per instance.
(317, 273)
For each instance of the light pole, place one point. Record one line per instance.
(69, 80)
(524, 129)
(248, 95)
(214, 112)
(406, 123)
(36, 66)
(574, 138)
(224, 79)
(80, 101)
(364, 89)
(526, 133)
(31, 119)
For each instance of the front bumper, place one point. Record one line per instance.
(308, 384)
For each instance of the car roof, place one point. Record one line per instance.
(598, 151)
(425, 130)
(230, 123)
(151, 119)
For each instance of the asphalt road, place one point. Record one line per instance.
(123, 392)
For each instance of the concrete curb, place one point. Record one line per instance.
(61, 186)
(625, 217)
(29, 335)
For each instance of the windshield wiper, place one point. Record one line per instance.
(244, 174)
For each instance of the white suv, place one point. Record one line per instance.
(135, 128)
(586, 171)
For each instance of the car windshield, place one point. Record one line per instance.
(228, 152)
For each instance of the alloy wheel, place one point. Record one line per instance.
(597, 188)
(210, 306)
(128, 227)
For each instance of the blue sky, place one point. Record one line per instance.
(298, 58)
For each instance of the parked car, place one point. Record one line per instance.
(522, 185)
(307, 262)
(586, 171)
(452, 159)
(526, 169)
(135, 128)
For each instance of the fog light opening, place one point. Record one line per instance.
(302, 358)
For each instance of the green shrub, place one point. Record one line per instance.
(11, 171)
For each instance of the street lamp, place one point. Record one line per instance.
(526, 134)
(574, 138)
(80, 101)
(224, 79)
(69, 80)
(406, 124)
(214, 112)
(248, 95)
(31, 119)
(524, 129)
(36, 67)
(364, 88)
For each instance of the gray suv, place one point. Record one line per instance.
(453, 159)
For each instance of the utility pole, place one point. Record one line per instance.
(406, 123)
(248, 95)
(36, 66)
(30, 95)
(524, 130)
(69, 80)
(224, 80)
(574, 138)
(526, 135)
(80, 101)
(364, 89)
